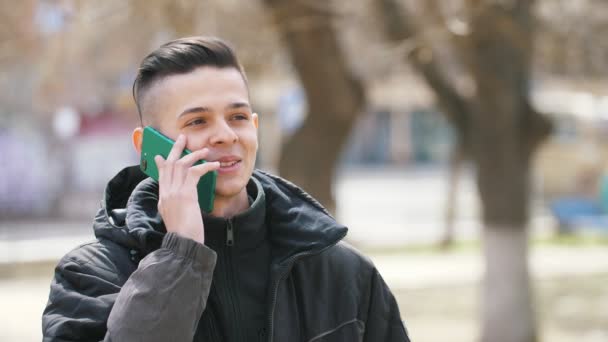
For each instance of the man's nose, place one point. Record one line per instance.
(223, 134)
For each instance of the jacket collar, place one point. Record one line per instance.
(297, 224)
(248, 228)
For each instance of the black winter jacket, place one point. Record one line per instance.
(138, 283)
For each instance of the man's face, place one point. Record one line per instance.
(211, 107)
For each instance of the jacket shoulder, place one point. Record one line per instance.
(344, 253)
(342, 262)
(85, 284)
(102, 258)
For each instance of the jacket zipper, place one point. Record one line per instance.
(289, 264)
(230, 273)
(230, 234)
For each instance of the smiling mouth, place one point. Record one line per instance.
(229, 164)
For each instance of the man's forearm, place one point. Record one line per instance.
(164, 298)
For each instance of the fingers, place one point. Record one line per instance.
(181, 167)
(193, 157)
(196, 172)
(160, 165)
(172, 171)
(177, 149)
(175, 172)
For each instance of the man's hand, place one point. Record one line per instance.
(178, 197)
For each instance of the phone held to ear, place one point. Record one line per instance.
(155, 143)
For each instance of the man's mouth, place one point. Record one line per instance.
(228, 164)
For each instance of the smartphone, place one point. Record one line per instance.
(155, 143)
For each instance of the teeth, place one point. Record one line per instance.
(228, 164)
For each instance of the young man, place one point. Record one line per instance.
(267, 264)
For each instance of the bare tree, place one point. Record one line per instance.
(335, 96)
(499, 131)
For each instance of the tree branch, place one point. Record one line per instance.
(398, 27)
(538, 126)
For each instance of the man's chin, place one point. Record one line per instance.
(229, 189)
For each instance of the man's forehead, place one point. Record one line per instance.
(213, 86)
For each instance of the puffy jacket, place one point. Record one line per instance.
(138, 283)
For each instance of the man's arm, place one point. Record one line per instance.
(161, 301)
(384, 320)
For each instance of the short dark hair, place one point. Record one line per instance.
(182, 56)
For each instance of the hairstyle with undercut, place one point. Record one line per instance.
(182, 56)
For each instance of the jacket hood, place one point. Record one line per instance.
(296, 222)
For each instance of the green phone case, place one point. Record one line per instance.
(154, 143)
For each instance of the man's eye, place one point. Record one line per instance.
(195, 122)
(240, 117)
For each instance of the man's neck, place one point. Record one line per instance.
(230, 206)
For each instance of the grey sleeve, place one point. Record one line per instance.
(165, 297)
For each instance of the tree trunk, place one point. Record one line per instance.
(507, 315)
(507, 308)
(335, 97)
(500, 49)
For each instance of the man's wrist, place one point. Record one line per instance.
(188, 248)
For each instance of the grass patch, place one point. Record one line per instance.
(572, 240)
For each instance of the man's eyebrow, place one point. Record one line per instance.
(202, 109)
(238, 105)
(194, 110)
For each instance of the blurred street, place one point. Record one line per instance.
(396, 207)
(382, 208)
(433, 288)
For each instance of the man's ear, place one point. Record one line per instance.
(256, 124)
(137, 137)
